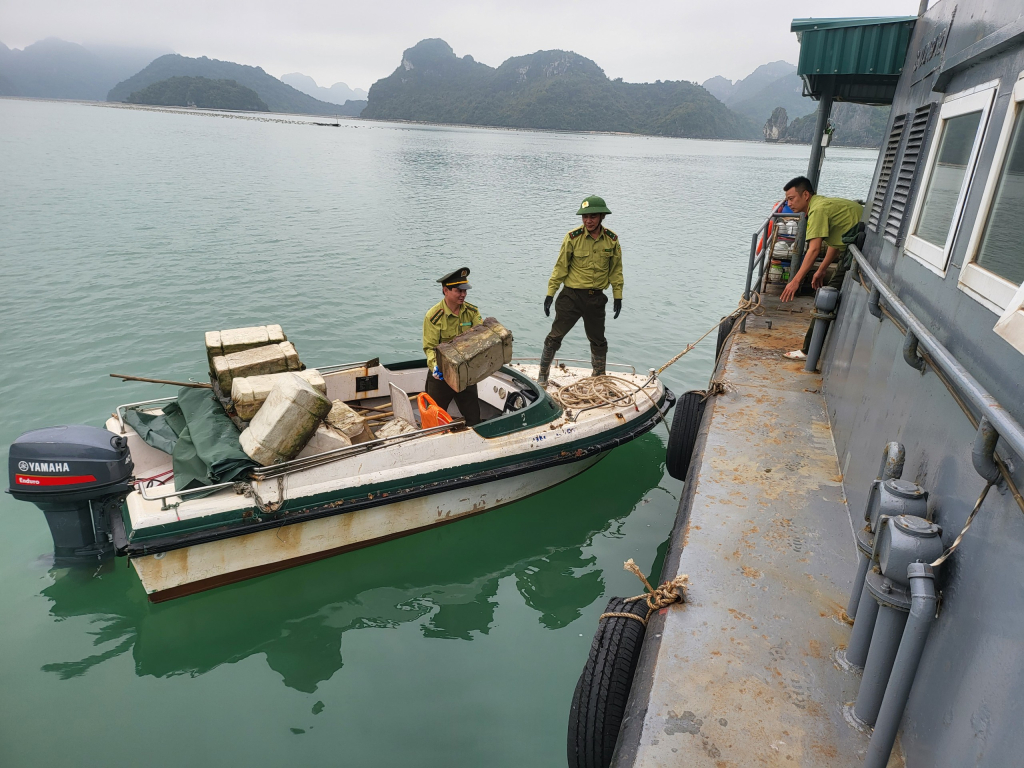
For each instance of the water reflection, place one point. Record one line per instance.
(446, 579)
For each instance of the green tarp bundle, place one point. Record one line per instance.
(200, 437)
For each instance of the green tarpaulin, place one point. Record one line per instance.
(200, 437)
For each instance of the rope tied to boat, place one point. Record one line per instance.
(669, 592)
(248, 490)
(751, 306)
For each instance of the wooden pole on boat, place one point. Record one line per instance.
(193, 384)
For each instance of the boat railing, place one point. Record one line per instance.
(133, 406)
(762, 242)
(558, 360)
(949, 368)
(299, 465)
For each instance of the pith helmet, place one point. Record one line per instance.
(593, 204)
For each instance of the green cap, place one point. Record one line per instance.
(593, 204)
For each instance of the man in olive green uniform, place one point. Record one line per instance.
(590, 260)
(451, 316)
(830, 220)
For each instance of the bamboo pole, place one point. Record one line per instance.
(193, 384)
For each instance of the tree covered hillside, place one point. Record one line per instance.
(199, 92)
(275, 94)
(554, 90)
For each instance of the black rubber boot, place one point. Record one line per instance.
(598, 359)
(546, 357)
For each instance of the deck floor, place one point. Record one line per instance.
(744, 674)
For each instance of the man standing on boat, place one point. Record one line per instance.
(450, 317)
(590, 260)
(831, 221)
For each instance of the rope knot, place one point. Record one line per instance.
(667, 593)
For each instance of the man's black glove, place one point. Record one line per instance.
(547, 305)
(617, 306)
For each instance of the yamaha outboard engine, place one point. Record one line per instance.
(78, 476)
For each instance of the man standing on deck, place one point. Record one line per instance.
(830, 220)
(590, 260)
(450, 317)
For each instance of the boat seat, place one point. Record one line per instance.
(401, 405)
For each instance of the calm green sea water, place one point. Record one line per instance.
(124, 234)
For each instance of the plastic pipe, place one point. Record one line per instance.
(885, 642)
(893, 457)
(910, 355)
(858, 587)
(897, 692)
(863, 628)
(983, 452)
(825, 302)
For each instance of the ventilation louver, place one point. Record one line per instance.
(885, 174)
(908, 172)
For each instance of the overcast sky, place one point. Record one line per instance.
(360, 42)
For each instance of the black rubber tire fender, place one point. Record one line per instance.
(683, 435)
(599, 702)
(724, 329)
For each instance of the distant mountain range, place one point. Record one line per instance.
(338, 93)
(277, 95)
(555, 90)
(199, 92)
(56, 69)
(777, 85)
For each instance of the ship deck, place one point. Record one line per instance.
(745, 673)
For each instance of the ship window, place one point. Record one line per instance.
(994, 269)
(948, 173)
(994, 266)
(886, 173)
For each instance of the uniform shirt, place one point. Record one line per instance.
(586, 263)
(831, 218)
(441, 324)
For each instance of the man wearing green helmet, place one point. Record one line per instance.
(590, 261)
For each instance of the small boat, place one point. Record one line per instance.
(322, 504)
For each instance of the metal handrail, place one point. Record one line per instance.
(122, 408)
(1008, 428)
(759, 261)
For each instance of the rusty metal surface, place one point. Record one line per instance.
(744, 674)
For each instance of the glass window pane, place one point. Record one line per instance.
(943, 190)
(1002, 245)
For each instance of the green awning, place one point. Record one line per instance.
(859, 60)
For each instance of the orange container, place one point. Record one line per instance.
(430, 414)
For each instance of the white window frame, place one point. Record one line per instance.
(989, 289)
(978, 98)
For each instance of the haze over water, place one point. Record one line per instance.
(126, 233)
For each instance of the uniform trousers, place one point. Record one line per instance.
(467, 399)
(570, 306)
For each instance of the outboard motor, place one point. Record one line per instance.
(79, 477)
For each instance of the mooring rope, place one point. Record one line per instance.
(751, 306)
(666, 594)
(594, 390)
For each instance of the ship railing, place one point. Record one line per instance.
(762, 243)
(958, 379)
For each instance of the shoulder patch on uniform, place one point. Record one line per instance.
(611, 234)
(576, 233)
(437, 316)
(471, 306)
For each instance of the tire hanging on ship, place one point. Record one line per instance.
(599, 702)
(683, 436)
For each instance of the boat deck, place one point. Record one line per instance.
(744, 674)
